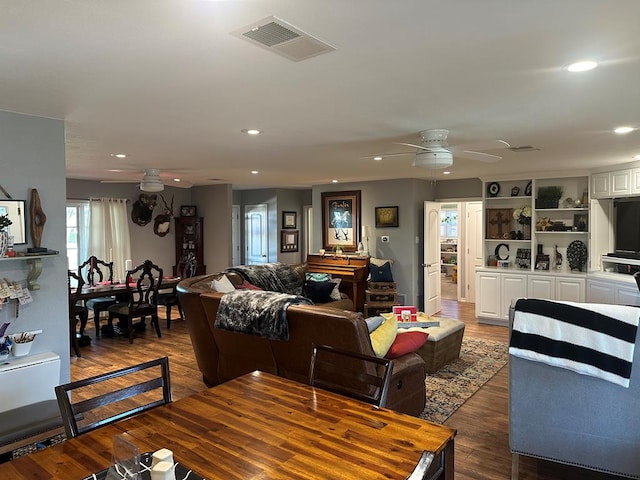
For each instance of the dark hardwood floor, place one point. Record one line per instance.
(482, 444)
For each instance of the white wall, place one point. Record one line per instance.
(32, 156)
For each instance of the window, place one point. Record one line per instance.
(448, 223)
(77, 232)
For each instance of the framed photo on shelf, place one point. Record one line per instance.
(289, 220)
(386, 217)
(581, 222)
(542, 262)
(289, 241)
(340, 220)
(188, 211)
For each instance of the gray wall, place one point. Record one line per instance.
(32, 156)
(214, 205)
(470, 188)
(405, 247)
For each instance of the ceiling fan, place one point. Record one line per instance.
(153, 180)
(435, 153)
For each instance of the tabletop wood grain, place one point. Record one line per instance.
(257, 426)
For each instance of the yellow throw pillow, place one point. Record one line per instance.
(383, 336)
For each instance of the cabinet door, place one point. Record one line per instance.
(627, 296)
(635, 181)
(620, 182)
(541, 287)
(512, 286)
(487, 295)
(600, 292)
(600, 185)
(570, 289)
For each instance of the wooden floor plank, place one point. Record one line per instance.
(482, 444)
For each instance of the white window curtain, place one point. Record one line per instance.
(109, 232)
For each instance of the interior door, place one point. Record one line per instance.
(256, 234)
(473, 247)
(235, 235)
(432, 286)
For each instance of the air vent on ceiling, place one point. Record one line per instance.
(524, 148)
(284, 39)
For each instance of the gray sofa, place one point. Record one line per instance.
(562, 416)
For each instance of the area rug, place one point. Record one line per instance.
(455, 383)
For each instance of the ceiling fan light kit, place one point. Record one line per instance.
(433, 159)
(151, 182)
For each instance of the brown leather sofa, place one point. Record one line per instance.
(223, 355)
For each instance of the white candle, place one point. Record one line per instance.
(128, 265)
(110, 255)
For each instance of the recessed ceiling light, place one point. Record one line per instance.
(119, 155)
(177, 180)
(446, 173)
(623, 130)
(582, 66)
(636, 157)
(334, 181)
(377, 158)
(251, 131)
(255, 172)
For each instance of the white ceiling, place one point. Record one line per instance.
(165, 82)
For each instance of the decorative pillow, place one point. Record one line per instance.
(222, 284)
(406, 343)
(380, 261)
(318, 277)
(335, 293)
(319, 292)
(373, 322)
(247, 286)
(383, 336)
(381, 273)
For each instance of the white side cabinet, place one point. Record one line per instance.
(600, 186)
(494, 292)
(615, 289)
(551, 287)
(620, 182)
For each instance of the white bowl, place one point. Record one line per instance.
(21, 349)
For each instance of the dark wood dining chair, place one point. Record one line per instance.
(106, 398)
(352, 374)
(77, 311)
(169, 298)
(95, 271)
(423, 470)
(143, 283)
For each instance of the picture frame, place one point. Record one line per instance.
(386, 217)
(581, 222)
(340, 220)
(288, 241)
(499, 221)
(542, 262)
(289, 220)
(188, 211)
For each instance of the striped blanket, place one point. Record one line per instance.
(591, 339)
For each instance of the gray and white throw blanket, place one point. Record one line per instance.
(275, 277)
(257, 312)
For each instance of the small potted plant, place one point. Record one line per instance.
(548, 197)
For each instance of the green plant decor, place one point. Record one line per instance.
(5, 221)
(551, 193)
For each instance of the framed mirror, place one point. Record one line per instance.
(15, 210)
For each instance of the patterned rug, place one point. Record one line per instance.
(455, 383)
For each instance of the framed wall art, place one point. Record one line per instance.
(499, 222)
(288, 241)
(289, 220)
(386, 217)
(340, 220)
(188, 211)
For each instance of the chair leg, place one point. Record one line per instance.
(96, 322)
(180, 311)
(168, 309)
(130, 327)
(73, 323)
(156, 323)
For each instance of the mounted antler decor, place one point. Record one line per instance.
(142, 211)
(162, 222)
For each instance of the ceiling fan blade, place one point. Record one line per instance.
(120, 181)
(480, 156)
(384, 155)
(474, 147)
(422, 147)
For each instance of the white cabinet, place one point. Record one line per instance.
(620, 183)
(494, 292)
(635, 181)
(611, 288)
(570, 289)
(600, 187)
(554, 287)
(541, 286)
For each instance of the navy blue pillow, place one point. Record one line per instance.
(381, 273)
(319, 292)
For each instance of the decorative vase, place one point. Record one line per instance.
(4, 242)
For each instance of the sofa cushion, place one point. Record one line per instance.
(222, 284)
(406, 342)
(373, 322)
(383, 336)
(245, 285)
(318, 277)
(381, 273)
(319, 292)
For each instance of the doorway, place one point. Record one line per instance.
(256, 234)
(449, 215)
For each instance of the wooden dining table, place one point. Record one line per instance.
(107, 289)
(258, 426)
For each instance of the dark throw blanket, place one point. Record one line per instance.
(274, 277)
(257, 313)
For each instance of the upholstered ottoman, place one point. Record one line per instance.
(443, 344)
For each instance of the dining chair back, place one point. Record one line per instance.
(106, 398)
(95, 271)
(76, 310)
(352, 374)
(142, 283)
(169, 298)
(423, 470)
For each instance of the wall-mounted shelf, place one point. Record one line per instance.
(35, 267)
